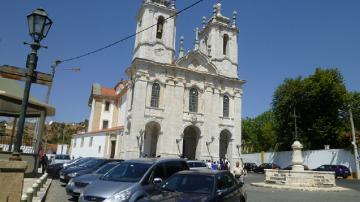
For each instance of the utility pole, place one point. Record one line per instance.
(356, 154)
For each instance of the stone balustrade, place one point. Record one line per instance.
(33, 193)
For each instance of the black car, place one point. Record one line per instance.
(261, 168)
(54, 169)
(84, 168)
(249, 167)
(340, 170)
(200, 185)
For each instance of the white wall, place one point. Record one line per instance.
(91, 119)
(65, 148)
(123, 111)
(86, 150)
(106, 115)
(312, 158)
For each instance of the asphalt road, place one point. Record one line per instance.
(57, 192)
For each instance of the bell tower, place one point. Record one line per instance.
(157, 43)
(218, 40)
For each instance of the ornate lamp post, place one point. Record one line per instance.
(39, 25)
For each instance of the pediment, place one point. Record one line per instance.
(197, 61)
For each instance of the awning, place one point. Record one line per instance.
(11, 94)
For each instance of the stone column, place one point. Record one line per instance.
(11, 180)
(297, 159)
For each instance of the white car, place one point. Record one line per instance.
(196, 165)
(59, 158)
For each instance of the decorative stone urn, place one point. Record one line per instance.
(297, 159)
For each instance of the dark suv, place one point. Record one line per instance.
(250, 167)
(132, 179)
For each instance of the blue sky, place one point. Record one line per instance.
(278, 39)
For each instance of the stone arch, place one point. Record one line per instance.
(151, 136)
(224, 144)
(191, 142)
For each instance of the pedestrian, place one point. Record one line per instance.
(208, 164)
(44, 163)
(239, 172)
(214, 166)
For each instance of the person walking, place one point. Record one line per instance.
(239, 172)
(44, 163)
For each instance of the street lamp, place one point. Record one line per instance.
(53, 67)
(39, 25)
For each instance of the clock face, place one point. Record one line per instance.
(159, 52)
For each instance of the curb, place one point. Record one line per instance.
(43, 192)
(292, 188)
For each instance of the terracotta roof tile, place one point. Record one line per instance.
(108, 91)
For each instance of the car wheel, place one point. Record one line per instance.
(242, 199)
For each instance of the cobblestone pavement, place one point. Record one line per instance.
(57, 192)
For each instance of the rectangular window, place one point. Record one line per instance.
(105, 124)
(107, 106)
(99, 149)
(91, 141)
(82, 142)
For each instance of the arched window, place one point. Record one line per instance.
(226, 106)
(225, 43)
(193, 100)
(155, 95)
(160, 27)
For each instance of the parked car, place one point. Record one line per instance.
(59, 158)
(54, 168)
(261, 168)
(78, 184)
(249, 167)
(132, 179)
(289, 167)
(196, 165)
(340, 170)
(82, 169)
(200, 185)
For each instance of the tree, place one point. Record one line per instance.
(259, 133)
(318, 100)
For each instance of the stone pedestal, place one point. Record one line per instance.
(297, 159)
(11, 180)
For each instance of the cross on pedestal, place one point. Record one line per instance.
(295, 118)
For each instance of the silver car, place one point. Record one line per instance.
(78, 184)
(132, 180)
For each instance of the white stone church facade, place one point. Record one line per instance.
(187, 105)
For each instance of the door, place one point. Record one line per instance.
(226, 188)
(112, 152)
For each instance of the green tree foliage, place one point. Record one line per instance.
(259, 133)
(318, 100)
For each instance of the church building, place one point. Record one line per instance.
(186, 104)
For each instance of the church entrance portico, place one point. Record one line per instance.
(224, 144)
(190, 142)
(151, 136)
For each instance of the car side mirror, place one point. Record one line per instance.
(157, 180)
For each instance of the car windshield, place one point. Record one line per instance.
(199, 184)
(62, 157)
(127, 172)
(105, 168)
(92, 163)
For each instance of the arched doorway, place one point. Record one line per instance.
(151, 136)
(190, 142)
(224, 150)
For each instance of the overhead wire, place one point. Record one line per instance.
(129, 36)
